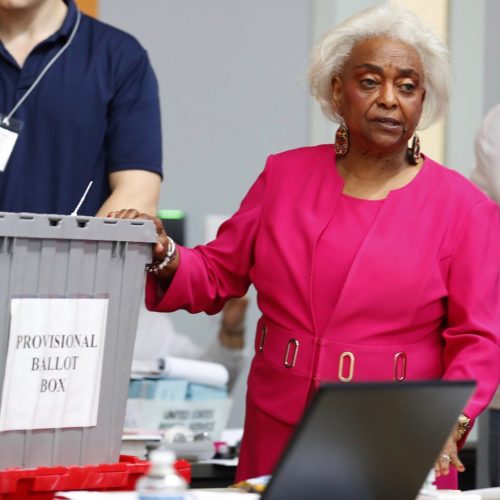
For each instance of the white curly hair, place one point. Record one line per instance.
(385, 21)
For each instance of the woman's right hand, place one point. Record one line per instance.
(449, 456)
(160, 248)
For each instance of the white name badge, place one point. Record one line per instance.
(9, 132)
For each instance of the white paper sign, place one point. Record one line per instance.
(54, 363)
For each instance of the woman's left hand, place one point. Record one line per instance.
(160, 247)
(449, 455)
(165, 274)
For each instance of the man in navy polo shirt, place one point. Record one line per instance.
(78, 104)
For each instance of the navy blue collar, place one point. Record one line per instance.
(69, 22)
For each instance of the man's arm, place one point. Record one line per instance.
(232, 327)
(133, 153)
(229, 350)
(139, 189)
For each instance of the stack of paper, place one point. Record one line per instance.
(198, 372)
(178, 379)
(177, 391)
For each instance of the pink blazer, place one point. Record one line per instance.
(421, 299)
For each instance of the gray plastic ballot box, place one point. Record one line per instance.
(65, 257)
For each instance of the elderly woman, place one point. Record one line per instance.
(371, 261)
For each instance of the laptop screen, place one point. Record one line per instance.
(373, 441)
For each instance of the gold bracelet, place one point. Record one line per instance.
(463, 425)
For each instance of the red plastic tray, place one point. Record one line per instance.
(42, 483)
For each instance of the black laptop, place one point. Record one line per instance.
(373, 441)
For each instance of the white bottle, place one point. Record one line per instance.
(162, 481)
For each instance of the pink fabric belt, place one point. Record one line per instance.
(322, 359)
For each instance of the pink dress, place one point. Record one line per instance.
(431, 250)
(339, 244)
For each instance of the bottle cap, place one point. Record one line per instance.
(162, 456)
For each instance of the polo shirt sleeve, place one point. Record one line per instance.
(134, 124)
(472, 337)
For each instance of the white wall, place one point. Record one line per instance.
(467, 44)
(232, 85)
(491, 57)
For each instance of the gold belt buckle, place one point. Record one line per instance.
(296, 344)
(262, 338)
(351, 357)
(400, 366)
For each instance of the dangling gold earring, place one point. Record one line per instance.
(342, 141)
(413, 153)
